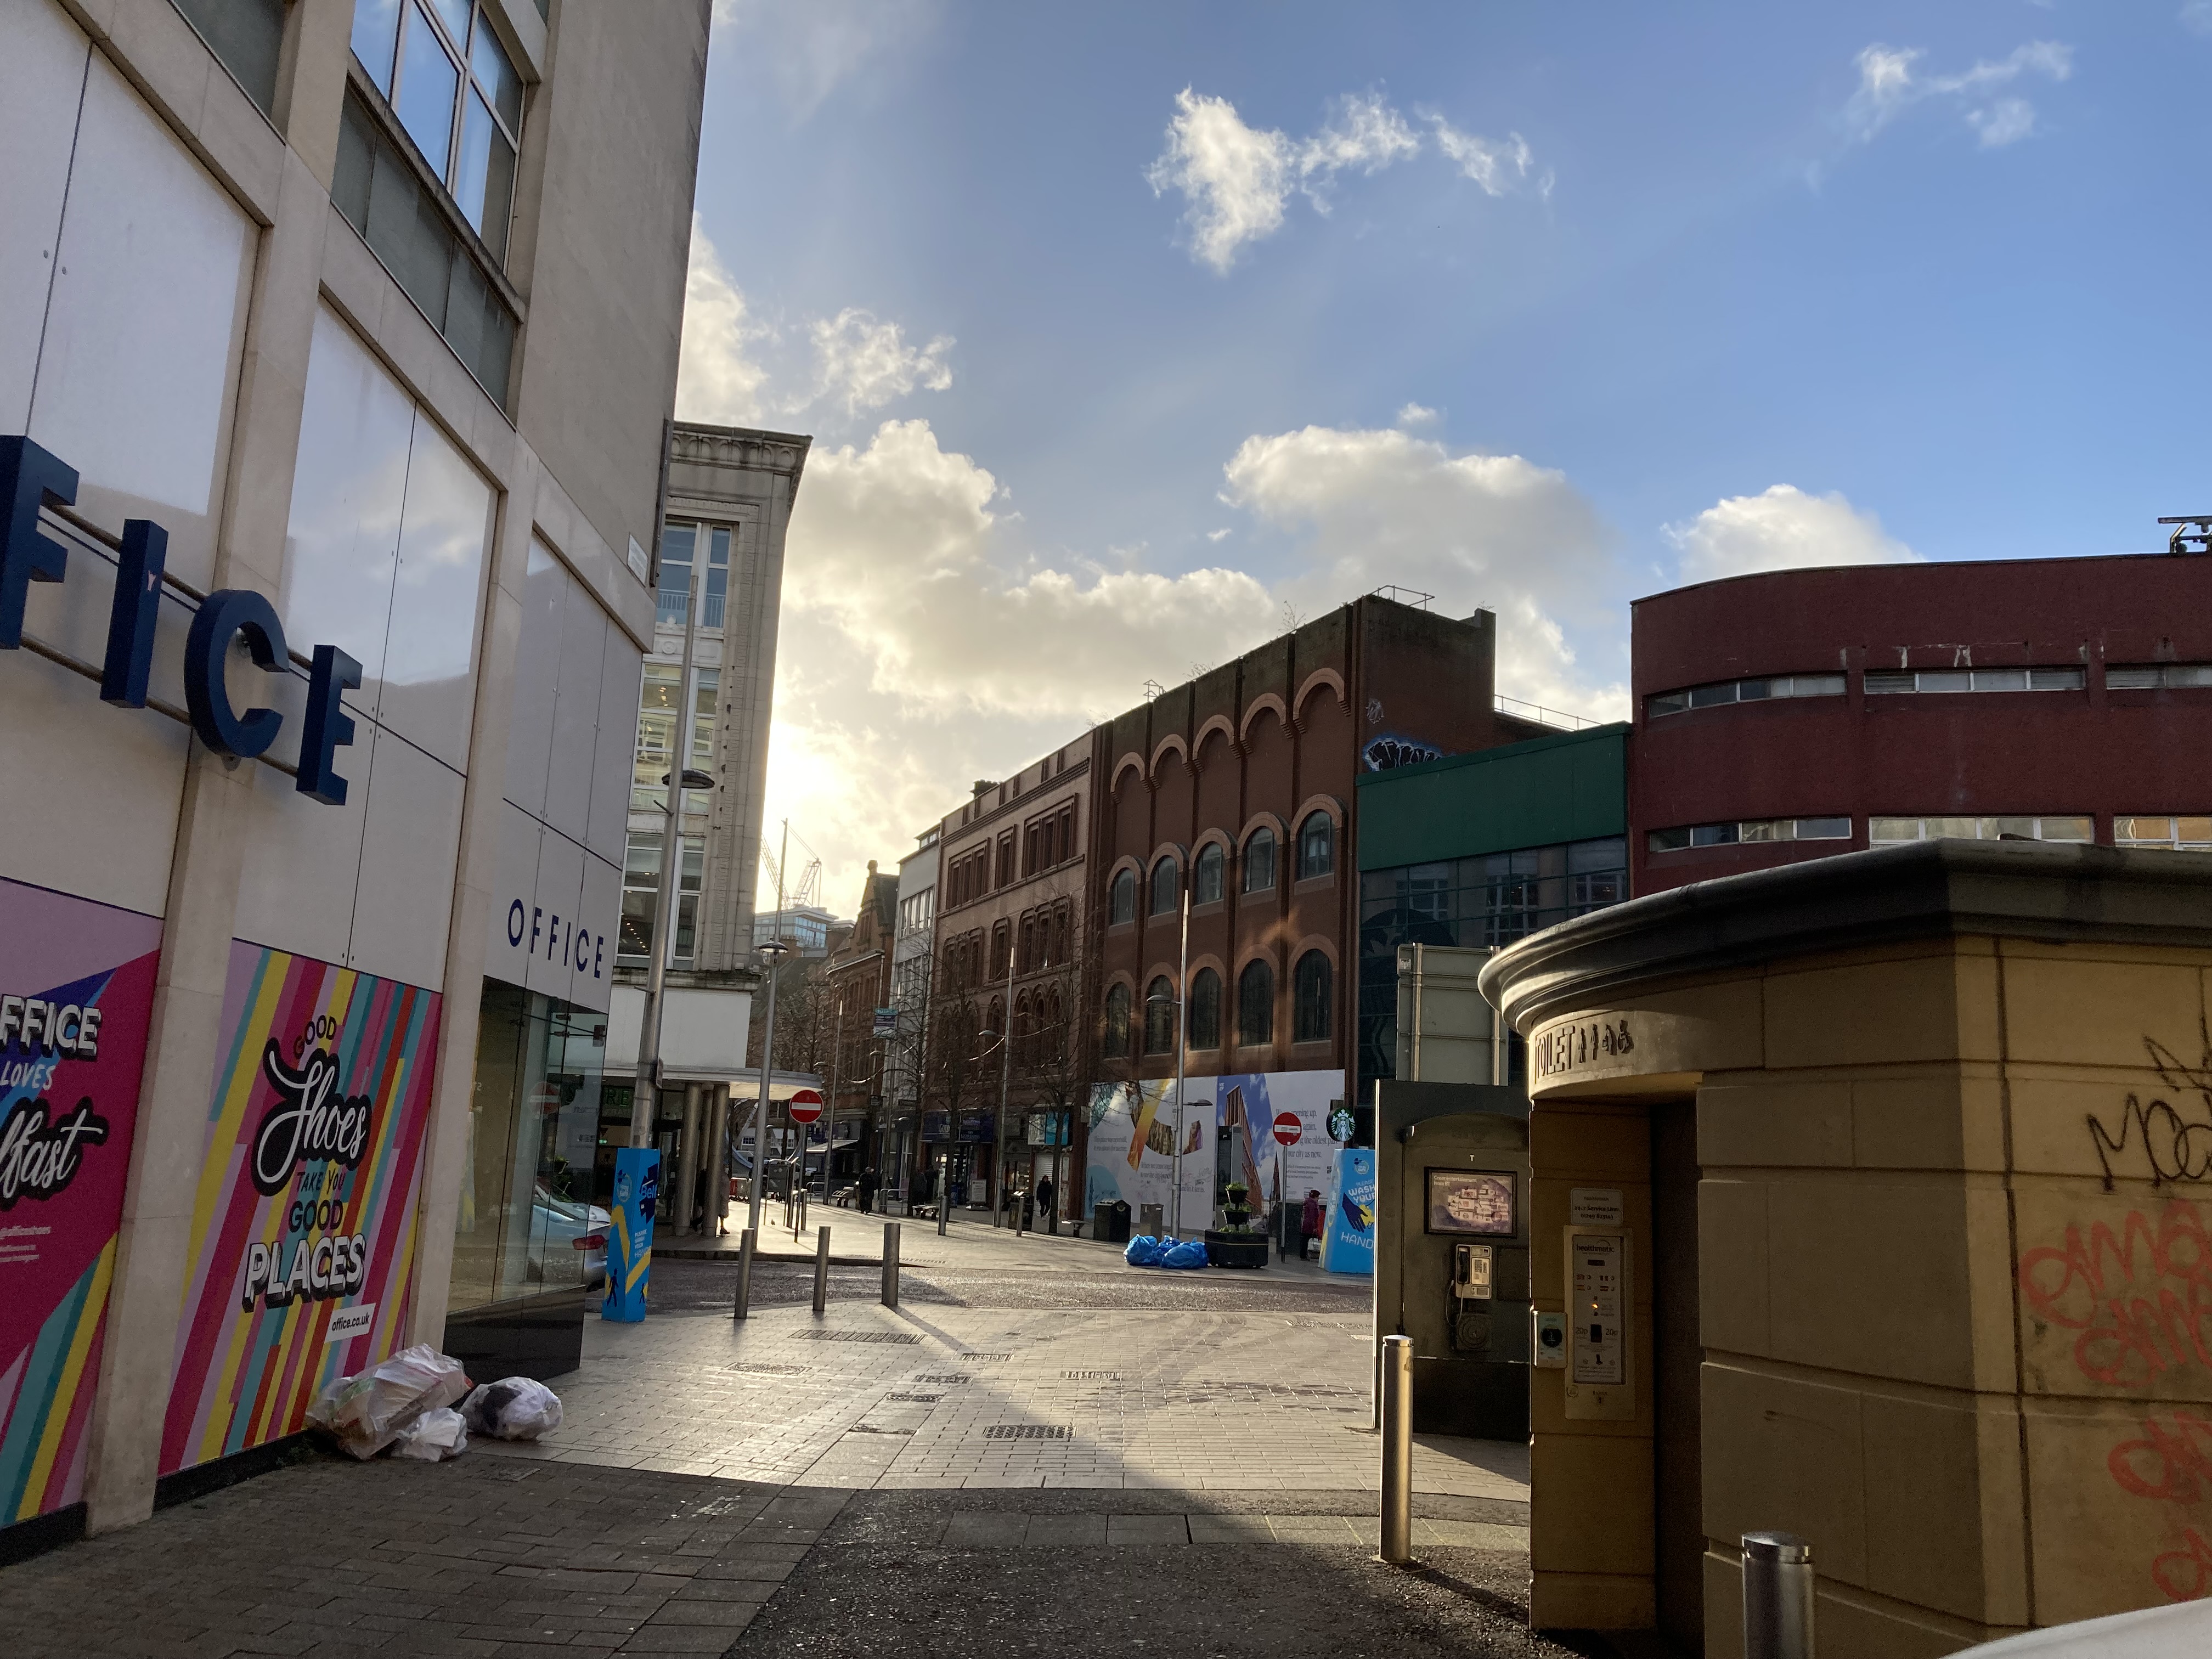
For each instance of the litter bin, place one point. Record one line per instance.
(1110, 1222)
(1153, 1219)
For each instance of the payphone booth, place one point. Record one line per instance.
(1451, 1264)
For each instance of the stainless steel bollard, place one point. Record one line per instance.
(745, 1272)
(822, 1270)
(1778, 1596)
(1398, 1450)
(891, 1264)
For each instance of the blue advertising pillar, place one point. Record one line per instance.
(1347, 1231)
(630, 1245)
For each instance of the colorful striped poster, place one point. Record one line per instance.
(303, 1226)
(77, 992)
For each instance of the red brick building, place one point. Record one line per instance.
(1800, 712)
(859, 976)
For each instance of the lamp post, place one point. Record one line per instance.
(770, 953)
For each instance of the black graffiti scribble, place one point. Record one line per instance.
(2176, 1142)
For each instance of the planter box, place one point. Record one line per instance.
(1236, 1249)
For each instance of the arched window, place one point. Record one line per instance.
(1255, 1005)
(994, 1024)
(1316, 846)
(1117, 1022)
(1025, 1031)
(1206, 1009)
(1260, 862)
(1167, 886)
(1206, 875)
(1159, 1017)
(1124, 896)
(1310, 998)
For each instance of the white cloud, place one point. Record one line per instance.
(1890, 83)
(732, 365)
(864, 363)
(1237, 179)
(812, 49)
(1411, 415)
(1384, 507)
(2197, 17)
(1221, 534)
(1781, 529)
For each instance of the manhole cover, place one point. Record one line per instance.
(899, 1337)
(916, 1398)
(772, 1371)
(1026, 1432)
(1092, 1376)
(946, 1377)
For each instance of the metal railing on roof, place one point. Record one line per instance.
(1537, 713)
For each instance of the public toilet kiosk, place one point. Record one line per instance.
(1870, 1196)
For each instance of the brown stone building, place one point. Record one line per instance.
(859, 976)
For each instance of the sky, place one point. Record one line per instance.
(1130, 336)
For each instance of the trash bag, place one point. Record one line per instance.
(1191, 1252)
(514, 1408)
(436, 1435)
(1144, 1251)
(367, 1412)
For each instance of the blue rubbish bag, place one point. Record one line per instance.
(1145, 1251)
(1191, 1252)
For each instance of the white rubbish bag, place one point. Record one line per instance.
(438, 1434)
(367, 1412)
(514, 1408)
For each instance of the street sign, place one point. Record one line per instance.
(1288, 1128)
(805, 1106)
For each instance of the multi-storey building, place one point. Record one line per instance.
(858, 979)
(336, 349)
(912, 972)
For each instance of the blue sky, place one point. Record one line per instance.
(1546, 307)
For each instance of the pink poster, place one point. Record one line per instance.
(76, 991)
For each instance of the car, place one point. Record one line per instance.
(575, 1224)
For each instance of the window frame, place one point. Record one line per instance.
(1327, 821)
(1122, 888)
(1264, 835)
(1205, 1002)
(1255, 1033)
(1171, 866)
(1313, 1007)
(1162, 1013)
(1212, 860)
(1115, 1044)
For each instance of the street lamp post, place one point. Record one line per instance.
(769, 954)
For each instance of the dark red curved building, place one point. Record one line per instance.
(1800, 713)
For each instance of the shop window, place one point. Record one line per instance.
(1167, 886)
(1887, 683)
(527, 1225)
(2157, 676)
(1761, 689)
(1207, 874)
(2057, 827)
(1206, 1009)
(1311, 984)
(1316, 846)
(2192, 834)
(1255, 1005)
(1116, 1044)
(1159, 1017)
(1260, 862)
(246, 36)
(450, 82)
(1749, 830)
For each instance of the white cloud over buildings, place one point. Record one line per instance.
(1782, 528)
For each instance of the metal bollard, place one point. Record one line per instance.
(822, 1270)
(1778, 1596)
(891, 1264)
(744, 1273)
(1398, 1450)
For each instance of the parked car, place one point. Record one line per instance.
(577, 1226)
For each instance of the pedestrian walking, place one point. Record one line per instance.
(1045, 1195)
(869, 1186)
(1310, 1223)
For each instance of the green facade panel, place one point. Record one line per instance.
(1570, 787)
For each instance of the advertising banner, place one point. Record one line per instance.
(630, 1246)
(76, 991)
(1347, 1228)
(1134, 1129)
(1276, 1163)
(303, 1226)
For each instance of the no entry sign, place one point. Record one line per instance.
(1288, 1128)
(805, 1106)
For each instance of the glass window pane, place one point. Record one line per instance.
(376, 38)
(1878, 684)
(1260, 862)
(676, 544)
(1816, 685)
(1669, 841)
(2194, 831)
(2064, 679)
(454, 14)
(408, 234)
(1954, 829)
(2132, 679)
(718, 577)
(1608, 853)
(1946, 680)
(2000, 679)
(445, 539)
(1824, 829)
(1757, 690)
(2182, 673)
(1765, 829)
(1998, 829)
(1704, 696)
(2068, 829)
(429, 82)
(1668, 702)
(483, 182)
(245, 35)
(1880, 829)
(488, 59)
(1713, 834)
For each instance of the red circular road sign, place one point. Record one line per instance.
(1288, 1128)
(805, 1106)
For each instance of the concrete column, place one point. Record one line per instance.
(125, 1448)
(717, 1152)
(686, 1159)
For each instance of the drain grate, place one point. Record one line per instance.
(916, 1398)
(1026, 1432)
(771, 1370)
(986, 1355)
(946, 1377)
(1092, 1376)
(899, 1337)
